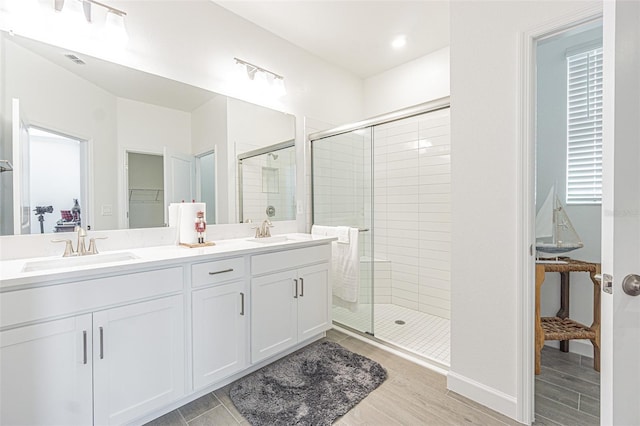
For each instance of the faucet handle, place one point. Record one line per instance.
(258, 231)
(68, 248)
(93, 248)
(266, 224)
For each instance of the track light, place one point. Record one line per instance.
(263, 78)
(79, 12)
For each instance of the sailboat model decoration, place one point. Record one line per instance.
(554, 232)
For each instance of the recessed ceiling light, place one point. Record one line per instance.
(399, 42)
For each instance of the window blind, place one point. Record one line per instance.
(584, 127)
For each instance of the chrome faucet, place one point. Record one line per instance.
(81, 249)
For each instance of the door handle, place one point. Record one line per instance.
(631, 284)
(84, 346)
(101, 343)
(295, 291)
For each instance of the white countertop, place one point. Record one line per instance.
(13, 275)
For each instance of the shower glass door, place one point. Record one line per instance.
(342, 196)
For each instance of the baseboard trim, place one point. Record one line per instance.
(489, 397)
(580, 347)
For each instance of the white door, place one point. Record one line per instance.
(46, 372)
(313, 301)
(21, 207)
(274, 313)
(138, 353)
(179, 179)
(620, 378)
(219, 332)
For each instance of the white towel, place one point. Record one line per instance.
(345, 268)
(345, 261)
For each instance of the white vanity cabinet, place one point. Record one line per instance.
(47, 373)
(138, 359)
(219, 320)
(290, 298)
(103, 366)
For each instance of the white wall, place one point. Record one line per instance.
(551, 164)
(485, 44)
(413, 83)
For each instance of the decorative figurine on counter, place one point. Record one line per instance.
(201, 226)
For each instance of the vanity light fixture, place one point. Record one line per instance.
(114, 24)
(263, 77)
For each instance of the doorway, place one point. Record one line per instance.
(57, 181)
(145, 190)
(568, 165)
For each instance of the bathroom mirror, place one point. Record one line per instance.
(115, 113)
(265, 188)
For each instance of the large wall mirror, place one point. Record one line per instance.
(122, 142)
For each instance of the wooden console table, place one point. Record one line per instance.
(561, 327)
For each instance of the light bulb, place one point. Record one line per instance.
(278, 87)
(115, 30)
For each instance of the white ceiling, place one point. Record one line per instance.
(353, 34)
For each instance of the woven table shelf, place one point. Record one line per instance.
(565, 329)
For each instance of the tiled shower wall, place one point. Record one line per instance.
(412, 209)
(259, 191)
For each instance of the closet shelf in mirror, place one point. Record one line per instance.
(146, 195)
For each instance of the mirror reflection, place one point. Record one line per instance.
(135, 142)
(265, 183)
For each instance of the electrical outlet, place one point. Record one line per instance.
(107, 210)
(299, 207)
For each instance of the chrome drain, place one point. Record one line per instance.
(400, 322)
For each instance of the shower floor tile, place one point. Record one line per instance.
(424, 334)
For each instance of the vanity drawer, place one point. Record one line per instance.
(289, 259)
(40, 303)
(217, 271)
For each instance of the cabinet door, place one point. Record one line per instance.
(138, 353)
(219, 332)
(313, 301)
(273, 314)
(46, 373)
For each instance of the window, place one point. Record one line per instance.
(584, 127)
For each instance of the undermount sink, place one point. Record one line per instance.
(270, 240)
(70, 262)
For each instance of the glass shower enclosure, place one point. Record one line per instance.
(390, 178)
(342, 196)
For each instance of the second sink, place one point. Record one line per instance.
(70, 262)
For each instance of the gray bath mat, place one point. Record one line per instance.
(313, 386)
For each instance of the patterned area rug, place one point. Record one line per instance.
(313, 386)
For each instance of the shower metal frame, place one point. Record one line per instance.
(427, 107)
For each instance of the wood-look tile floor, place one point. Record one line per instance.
(411, 395)
(567, 390)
